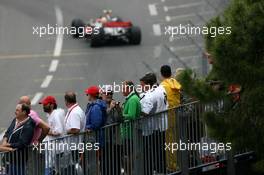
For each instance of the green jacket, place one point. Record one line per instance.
(131, 111)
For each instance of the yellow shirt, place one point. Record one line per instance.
(172, 88)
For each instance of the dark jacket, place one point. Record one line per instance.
(113, 115)
(95, 115)
(22, 136)
(19, 138)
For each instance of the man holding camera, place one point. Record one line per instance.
(113, 107)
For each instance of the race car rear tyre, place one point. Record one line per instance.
(135, 35)
(97, 38)
(78, 24)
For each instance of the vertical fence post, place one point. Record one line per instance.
(230, 164)
(183, 137)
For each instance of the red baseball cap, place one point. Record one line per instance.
(92, 90)
(48, 100)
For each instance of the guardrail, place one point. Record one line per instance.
(156, 144)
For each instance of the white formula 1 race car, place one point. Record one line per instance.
(107, 29)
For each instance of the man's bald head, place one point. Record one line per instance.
(25, 100)
(70, 97)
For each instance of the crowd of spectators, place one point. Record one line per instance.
(28, 128)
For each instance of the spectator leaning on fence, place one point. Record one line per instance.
(75, 117)
(40, 132)
(55, 120)
(153, 100)
(131, 111)
(95, 119)
(113, 109)
(74, 124)
(55, 117)
(95, 111)
(18, 136)
(172, 88)
(20, 132)
(112, 147)
(42, 128)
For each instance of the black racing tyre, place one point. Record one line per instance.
(97, 39)
(135, 35)
(78, 24)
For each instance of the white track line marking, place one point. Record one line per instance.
(190, 15)
(53, 65)
(166, 8)
(63, 79)
(157, 51)
(36, 98)
(153, 10)
(168, 18)
(182, 48)
(59, 37)
(46, 81)
(157, 29)
(66, 65)
(164, 0)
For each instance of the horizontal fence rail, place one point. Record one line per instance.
(170, 142)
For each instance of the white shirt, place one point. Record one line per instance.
(56, 122)
(154, 101)
(75, 118)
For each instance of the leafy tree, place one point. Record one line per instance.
(238, 59)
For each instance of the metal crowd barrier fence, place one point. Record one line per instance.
(164, 143)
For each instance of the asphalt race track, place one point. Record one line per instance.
(50, 65)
